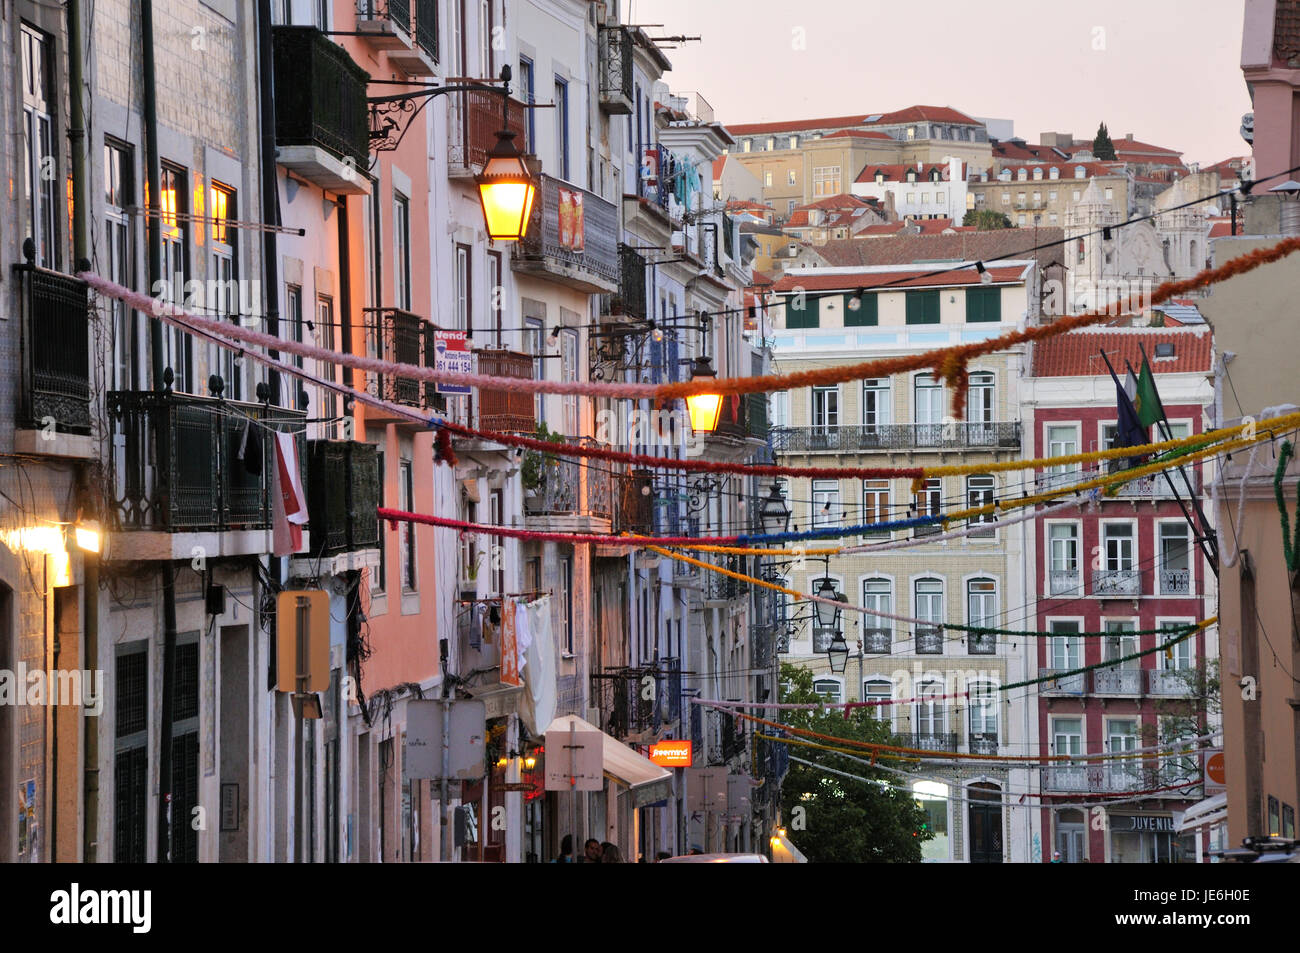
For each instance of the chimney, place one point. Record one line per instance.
(1128, 137)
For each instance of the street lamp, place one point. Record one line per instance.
(827, 616)
(704, 408)
(774, 515)
(838, 653)
(506, 190)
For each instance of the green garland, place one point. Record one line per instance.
(1020, 633)
(1055, 676)
(1290, 536)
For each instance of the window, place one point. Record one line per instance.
(40, 149)
(826, 510)
(1274, 816)
(771, 144)
(1053, 218)
(1038, 198)
(979, 408)
(1038, 173)
(861, 310)
(877, 693)
(1020, 220)
(1288, 821)
(767, 178)
(922, 307)
(932, 798)
(1110, 194)
(566, 603)
(1022, 175)
(1051, 196)
(828, 688)
(983, 717)
(979, 492)
(131, 754)
(1122, 738)
(746, 145)
(528, 91)
(378, 576)
(1066, 655)
(1119, 642)
(911, 132)
(297, 399)
(1077, 194)
(407, 491)
(464, 289)
(569, 372)
(825, 407)
(1006, 198)
(930, 717)
(801, 311)
(982, 611)
(927, 406)
(534, 336)
(1080, 172)
(328, 405)
(120, 255)
(1063, 441)
(562, 128)
(826, 181)
(875, 506)
(178, 346)
(938, 198)
(496, 561)
(876, 410)
(925, 198)
(401, 251)
(1063, 546)
(790, 177)
(1067, 736)
(927, 605)
(794, 142)
(496, 294)
(1054, 173)
(1175, 560)
(226, 291)
(1118, 542)
(485, 37)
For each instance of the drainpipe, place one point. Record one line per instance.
(153, 225)
(345, 288)
(270, 190)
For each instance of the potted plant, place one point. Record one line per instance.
(532, 472)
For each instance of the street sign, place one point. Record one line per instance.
(576, 755)
(302, 615)
(452, 354)
(738, 788)
(467, 742)
(671, 754)
(1216, 776)
(706, 789)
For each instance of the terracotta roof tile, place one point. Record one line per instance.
(1078, 353)
(898, 173)
(796, 125)
(926, 114)
(895, 249)
(859, 134)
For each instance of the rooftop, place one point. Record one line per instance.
(1078, 353)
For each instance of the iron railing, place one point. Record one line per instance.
(983, 743)
(185, 464)
(1084, 778)
(405, 338)
(320, 95)
(397, 12)
(859, 437)
(426, 27)
(877, 641)
(343, 496)
(1076, 684)
(930, 740)
(505, 411)
(1117, 681)
(616, 84)
(626, 708)
(743, 416)
(1175, 582)
(571, 233)
(1064, 582)
(567, 487)
(981, 643)
(636, 509)
(929, 641)
(55, 370)
(631, 296)
(473, 123)
(1117, 582)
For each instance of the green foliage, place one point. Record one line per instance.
(531, 471)
(846, 821)
(1102, 147)
(1188, 715)
(986, 219)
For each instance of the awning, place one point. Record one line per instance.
(642, 777)
(784, 852)
(1210, 811)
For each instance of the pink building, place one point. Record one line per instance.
(1128, 564)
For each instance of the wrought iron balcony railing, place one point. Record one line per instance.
(981, 643)
(855, 438)
(930, 740)
(568, 488)
(929, 641)
(343, 495)
(636, 509)
(983, 743)
(877, 641)
(380, 16)
(1117, 681)
(572, 235)
(506, 411)
(616, 85)
(625, 709)
(474, 120)
(320, 96)
(406, 338)
(55, 367)
(426, 29)
(1164, 682)
(1062, 582)
(743, 417)
(1117, 582)
(1085, 778)
(1175, 582)
(631, 296)
(1076, 684)
(180, 461)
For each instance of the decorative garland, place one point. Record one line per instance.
(1203, 624)
(1290, 540)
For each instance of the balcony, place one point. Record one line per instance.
(625, 711)
(929, 740)
(857, 438)
(176, 461)
(1091, 778)
(573, 237)
(343, 496)
(1163, 682)
(877, 641)
(982, 643)
(1117, 583)
(1151, 488)
(322, 126)
(474, 120)
(743, 419)
(567, 493)
(1075, 684)
(505, 411)
(630, 299)
(616, 84)
(722, 588)
(406, 338)
(983, 743)
(1175, 582)
(1064, 582)
(929, 641)
(635, 510)
(1117, 681)
(54, 368)
(411, 42)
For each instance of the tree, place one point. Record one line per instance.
(1187, 712)
(986, 219)
(846, 821)
(1102, 147)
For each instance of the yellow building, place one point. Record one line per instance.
(1047, 190)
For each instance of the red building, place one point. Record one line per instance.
(1125, 564)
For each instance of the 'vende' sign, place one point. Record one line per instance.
(671, 754)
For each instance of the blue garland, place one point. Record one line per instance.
(834, 532)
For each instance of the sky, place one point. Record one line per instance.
(1167, 71)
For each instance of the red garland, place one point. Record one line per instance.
(393, 516)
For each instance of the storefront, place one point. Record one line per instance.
(1149, 839)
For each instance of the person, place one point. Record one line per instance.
(696, 849)
(1056, 857)
(662, 855)
(591, 852)
(566, 850)
(610, 854)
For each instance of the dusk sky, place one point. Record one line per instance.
(1167, 71)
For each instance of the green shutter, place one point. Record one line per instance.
(866, 314)
(923, 307)
(805, 317)
(983, 304)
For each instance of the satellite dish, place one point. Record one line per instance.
(1248, 127)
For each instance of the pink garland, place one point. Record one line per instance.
(537, 536)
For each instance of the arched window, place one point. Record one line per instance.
(982, 610)
(830, 689)
(1038, 174)
(880, 177)
(879, 690)
(1022, 174)
(1192, 257)
(983, 727)
(1054, 173)
(1080, 172)
(927, 606)
(877, 630)
(911, 175)
(1005, 175)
